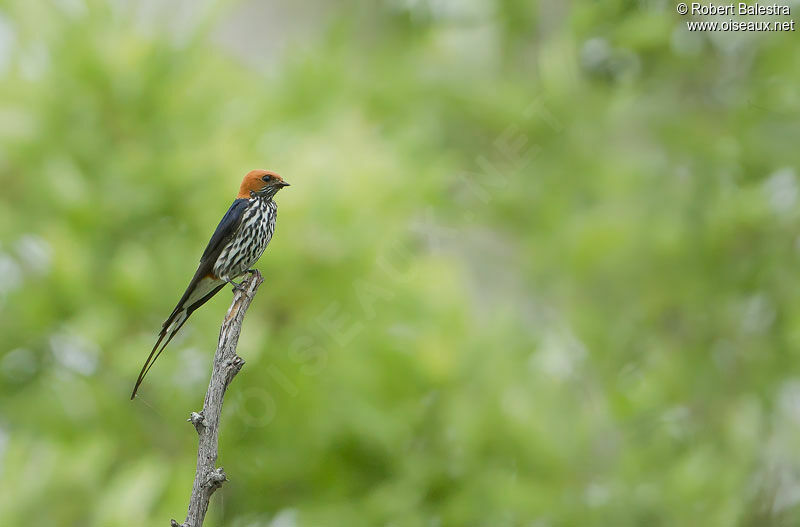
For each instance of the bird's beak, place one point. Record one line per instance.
(284, 184)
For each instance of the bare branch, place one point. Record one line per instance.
(227, 364)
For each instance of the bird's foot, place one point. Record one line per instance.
(236, 287)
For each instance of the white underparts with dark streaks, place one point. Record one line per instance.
(250, 241)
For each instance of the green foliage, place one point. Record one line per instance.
(537, 265)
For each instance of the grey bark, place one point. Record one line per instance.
(226, 365)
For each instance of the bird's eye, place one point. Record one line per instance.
(267, 178)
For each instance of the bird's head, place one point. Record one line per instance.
(261, 183)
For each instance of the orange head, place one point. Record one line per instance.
(261, 183)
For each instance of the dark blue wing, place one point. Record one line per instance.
(225, 230)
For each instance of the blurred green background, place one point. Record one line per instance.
(538, 265)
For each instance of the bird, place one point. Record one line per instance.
(237, 243)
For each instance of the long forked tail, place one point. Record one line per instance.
(151, 359)
(198, 293)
